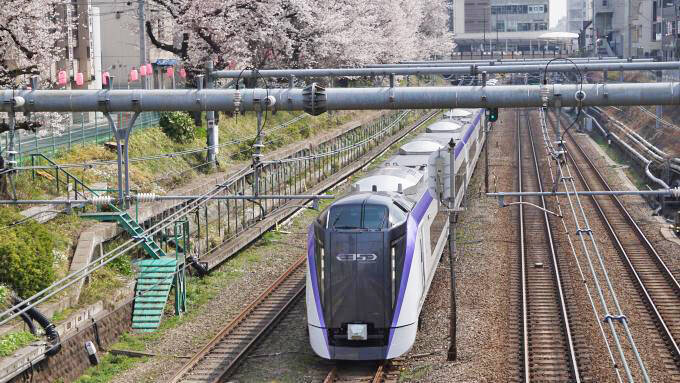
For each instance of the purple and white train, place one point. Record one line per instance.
(372, 254)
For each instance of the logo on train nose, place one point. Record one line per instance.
(356, 257)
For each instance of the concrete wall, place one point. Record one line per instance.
(69, 363)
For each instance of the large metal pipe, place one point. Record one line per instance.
(319, 100)
(470, 69)
(511, 61)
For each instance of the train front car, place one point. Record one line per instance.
(372, 254)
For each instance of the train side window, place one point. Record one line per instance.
(375, 217)
(397, 214)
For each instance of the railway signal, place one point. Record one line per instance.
(493, 114)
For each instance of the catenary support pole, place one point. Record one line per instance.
(119, 159)
(126, 132)
(452, 354)
(213, 136)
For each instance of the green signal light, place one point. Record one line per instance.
(493, 114)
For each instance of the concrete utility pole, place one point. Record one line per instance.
(142, 40)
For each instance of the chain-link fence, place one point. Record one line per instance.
(82, 133)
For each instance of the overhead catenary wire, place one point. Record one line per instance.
(584, 231)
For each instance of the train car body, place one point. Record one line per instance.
(372, 254)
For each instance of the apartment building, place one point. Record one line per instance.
(494, 25)
(670, 29)
(628, 28)
(579, 13)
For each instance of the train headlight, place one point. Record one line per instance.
(394, 273)
(322, 276)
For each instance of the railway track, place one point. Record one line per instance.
(222, 354)
(547, 347)
(372, 372)
(218, 359)
(656, 284)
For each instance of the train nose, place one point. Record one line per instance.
(358, 280)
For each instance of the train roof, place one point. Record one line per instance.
(453, 113)
(421, 145)
(445, 126)
(390, 179)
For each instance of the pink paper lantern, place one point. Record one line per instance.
(105, 78)
(142, 70)
(79, 79)
(171, 72)
(149, 69)
(62, 78)
(182, 73)
(134, 76)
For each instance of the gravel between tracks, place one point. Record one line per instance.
(485, 243)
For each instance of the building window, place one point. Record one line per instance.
(500, 26)
(540, 26)
(522, 27)
(605, 3)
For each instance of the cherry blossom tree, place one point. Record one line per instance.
(29, 31)
(303, 33)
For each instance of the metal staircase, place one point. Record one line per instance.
(156, 278)
(157, 275)
(131, 227)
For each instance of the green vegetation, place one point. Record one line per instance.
(26, 253)
(178, 126)
(9, 343)
(109, 366)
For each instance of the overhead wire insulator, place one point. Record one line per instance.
(101, 200)
(145, 197)
(237, 100)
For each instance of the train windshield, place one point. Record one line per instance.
(372, 217)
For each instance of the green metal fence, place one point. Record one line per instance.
(96, 131)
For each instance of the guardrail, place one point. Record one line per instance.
(96, 131)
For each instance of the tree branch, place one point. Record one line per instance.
(29, 54)
(160, 44)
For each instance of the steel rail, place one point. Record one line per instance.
(522, 237)
(586, 236)
(377, 374)
(220, 371)
(537, 318)
(662, 268)
(553, 256)
(316, 100)
(572, 248)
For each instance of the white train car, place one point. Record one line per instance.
(372, 254)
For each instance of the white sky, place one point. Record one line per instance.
(558, 8)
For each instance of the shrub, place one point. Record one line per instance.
(26, 255)
(178, 126)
